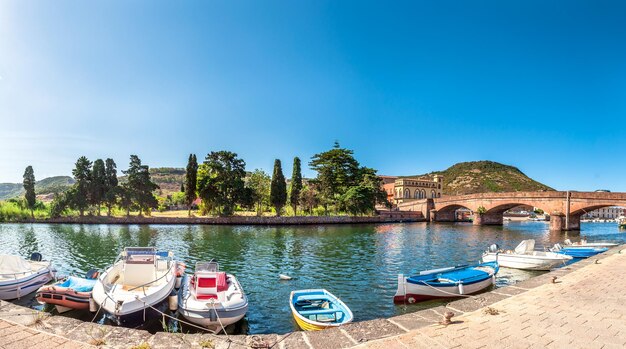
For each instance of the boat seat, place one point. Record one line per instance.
(312, 297)
(319, 312)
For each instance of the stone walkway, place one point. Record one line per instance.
(584, 309)
(15, 336)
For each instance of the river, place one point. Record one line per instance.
(358, 263)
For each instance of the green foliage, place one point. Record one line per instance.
(81, 190)
(337, 170)
(278, 188)
(221, 181)
(481, 210)
(362, 199)
(98, 181)
(60, 204)
(17, 210)
(309, 198)
(259, 183)
(139, 186)
(29, 187)
(296, 185)
(191, 179)
(110, 185)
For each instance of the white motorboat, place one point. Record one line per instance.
(212, 298)
(584, 244)
(446, 282)
(525, 257)
(19, 277)
(139, 279)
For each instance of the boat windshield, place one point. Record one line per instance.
(211, 266)
(139, 255)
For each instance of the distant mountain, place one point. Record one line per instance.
(485, 176)
(45, 186)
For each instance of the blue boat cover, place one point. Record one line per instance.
(465, 275)
(79, 284)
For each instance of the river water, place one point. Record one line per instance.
(358, 263)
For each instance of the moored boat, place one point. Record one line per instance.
(525, 257)
(446, 282)
(583, 243)
(211, 298)
(70, 293)
(578, 252)
(139, 279)
(19, 277)
(318, 309)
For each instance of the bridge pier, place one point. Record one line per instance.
(488, 219)
(442, 216)
(559, 223)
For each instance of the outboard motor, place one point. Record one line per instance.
(494, 248)
(36, 257)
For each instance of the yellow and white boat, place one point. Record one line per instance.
(318, 309)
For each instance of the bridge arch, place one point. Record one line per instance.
(449, 213)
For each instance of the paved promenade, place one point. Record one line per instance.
(15, 336)
(584, 309)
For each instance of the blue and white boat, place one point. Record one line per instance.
(318, 309)
(19, 277)
(446, 282)
(578, 252)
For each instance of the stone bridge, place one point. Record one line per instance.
(564, 207)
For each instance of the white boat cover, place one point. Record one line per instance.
(526, 246)
(10, 264)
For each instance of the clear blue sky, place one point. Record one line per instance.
(411, 86)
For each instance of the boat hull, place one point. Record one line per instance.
(527, 262)
(307, 324)
(17, 288)
(581, 252)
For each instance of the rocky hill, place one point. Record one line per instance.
(485, 176)
(45, 186)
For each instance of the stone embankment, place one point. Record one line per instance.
(386, 217)
(582, 309)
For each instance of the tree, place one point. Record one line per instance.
(337, 170)
(278, 188)
(140, 186)
(111, 185)
(29, 186)
(79, 199)
(362, 198)
(98, 184)
(191, 179)
(220, 181)
(182, 187)
(125, 195)
(259, 182)
(296, 185)
(309, 198)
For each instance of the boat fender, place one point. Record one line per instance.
(460, 288)
(172, 301)
(93, 307)
(493, 279)
(411, 300)
(179, 282)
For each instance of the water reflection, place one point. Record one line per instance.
(359, 263)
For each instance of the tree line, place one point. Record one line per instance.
(223, 185)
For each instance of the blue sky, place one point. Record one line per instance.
(411, 86)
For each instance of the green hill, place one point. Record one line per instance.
(485, 176)
(45, 186)
(168, 179)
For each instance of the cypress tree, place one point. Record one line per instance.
(182, 187)
(111, 184)
(296, 185)
(191, 178)
(98, 184)
(82, 175)
(29, 186)
(140, 185)
(278, 188)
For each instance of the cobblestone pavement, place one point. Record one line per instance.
(583, 309)
(15, 336)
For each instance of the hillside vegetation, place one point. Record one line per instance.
(484, 177)
(45, 186)
(168, 179)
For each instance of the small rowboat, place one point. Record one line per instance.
(525, 257)
(212, 298)
(19, 277)
(446, 282)
(71, 293)
(318, 309)
(578, 252)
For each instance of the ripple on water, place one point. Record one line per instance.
(358, 263)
